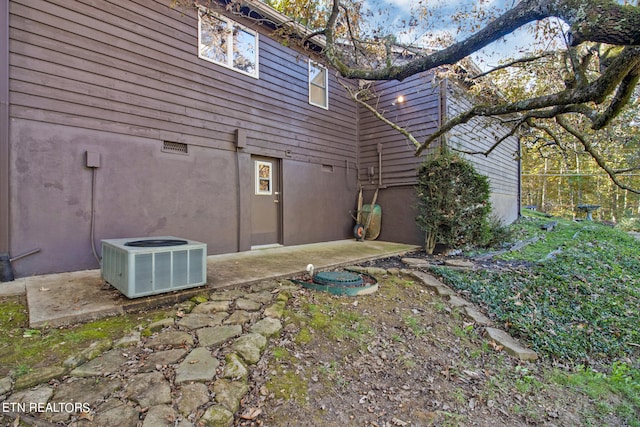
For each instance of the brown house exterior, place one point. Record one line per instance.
(113, 125)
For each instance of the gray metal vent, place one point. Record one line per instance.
(175, 147)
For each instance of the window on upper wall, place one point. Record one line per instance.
(318, 85)
(227, 43)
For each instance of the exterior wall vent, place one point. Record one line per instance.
(175, 147)
(146, 266)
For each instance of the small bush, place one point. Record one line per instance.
(453, 203)
(630, 224)
(498, 234)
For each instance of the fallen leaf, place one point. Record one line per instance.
(251, 414)
(85, 416)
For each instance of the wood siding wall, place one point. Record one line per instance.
(120, 78)
(427, 103)
(501, 165)
(419, 114)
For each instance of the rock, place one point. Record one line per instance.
(275, 310)
(511, 346)
(199, 365)
(216, 335)
(456, 301)
(287, 286)
(105, 364)
(459, 263)
(249, 347)
(149, 389)
(201, 320)
(161, 358)
(416, 262)
(217, 416)
(433, 283)
(85, 390)
(212, 307)
(161, 324)
(239, 317)
(229, 393)
(247, 304)
(234, 368)
(356, 268)
(192, 396)
(160, 416)
(444, 291)
(186, 306)
(93, 351)
(427, 279)
(38, 395)
(5, 385)
(77, 393)
(115, 413)
(267, 285)
(227, 295)
(199, 299)
(375, 271)
(477, 317)
(283, 296)
(38, 376)
(170, 338)
(128, 341)
(263, 297)
(393, 271)
(267, 327)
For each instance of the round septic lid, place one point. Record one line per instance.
(338, 278)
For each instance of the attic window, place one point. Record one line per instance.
(318, 85)
(227, 43)
(175, 147)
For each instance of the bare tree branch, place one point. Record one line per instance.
(356, 96)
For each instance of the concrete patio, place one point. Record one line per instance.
(66, 298)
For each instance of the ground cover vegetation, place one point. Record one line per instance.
(575, 294)
(23, 348)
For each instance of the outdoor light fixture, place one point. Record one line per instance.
(398, 100)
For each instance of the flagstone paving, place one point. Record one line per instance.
(191, 369)
(188, 370)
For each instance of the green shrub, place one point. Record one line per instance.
(630, 224)
(453, 202)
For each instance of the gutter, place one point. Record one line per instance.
(282, 20)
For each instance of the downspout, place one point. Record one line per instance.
(442, 114)
(6, 272)
(519, 198)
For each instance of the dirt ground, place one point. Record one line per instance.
(400, 357)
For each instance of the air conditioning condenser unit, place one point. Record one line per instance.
(151, 265)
